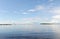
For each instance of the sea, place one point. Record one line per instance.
(29, 31)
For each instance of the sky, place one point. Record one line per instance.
(29, 11)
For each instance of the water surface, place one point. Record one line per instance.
(29, 31)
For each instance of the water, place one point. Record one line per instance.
(29, 32)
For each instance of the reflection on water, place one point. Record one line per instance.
(30, 36)
(29, 32)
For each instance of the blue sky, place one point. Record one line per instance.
(29, 11)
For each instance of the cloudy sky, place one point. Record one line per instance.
(29, 11)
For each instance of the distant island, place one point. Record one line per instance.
(49, 23)
(5, 24)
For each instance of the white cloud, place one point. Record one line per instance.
(37, 8)
(55, 10)
(55, 19)
(31, 10)
(56, 14)
(24, 13)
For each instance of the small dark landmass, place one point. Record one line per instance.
(5, 24)
(49, 23)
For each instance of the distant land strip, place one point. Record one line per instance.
(49, 23)
(30, 24)
(5, 24)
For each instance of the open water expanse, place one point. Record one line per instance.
(29, 31)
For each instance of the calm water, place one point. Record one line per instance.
(29, 32)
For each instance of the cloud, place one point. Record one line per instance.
(31, 10)
(24, 13)
(19, 12)
(37, 8)
(55, 19)
(56, 14)
(55, 10)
